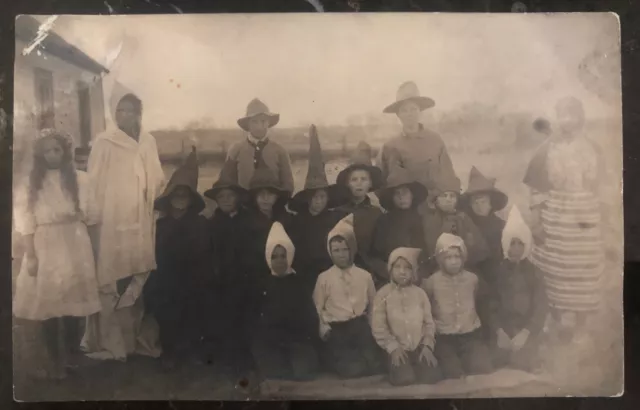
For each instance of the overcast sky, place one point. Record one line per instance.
(324, 67)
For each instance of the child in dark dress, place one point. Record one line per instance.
(401, 226)
(361, 177)
(283, 335)
(227, 230)
(519, 303)
(171, 291)
(314, 217)
(480, 202)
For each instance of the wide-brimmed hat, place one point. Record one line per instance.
(228, 179)
(479, 184)
(264, 178)
(401, 177)
(408, 91)
(185, 175)
(361, 159)
(317, 179)
(255, 108)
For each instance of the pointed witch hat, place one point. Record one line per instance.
(442, 183)
(317, 179)
(361, 159)
(185, 175)
(408, 91)
(398, 177)
(228, 179)
(264, 178)
(345, 229)
(254, 109)
(479, 184)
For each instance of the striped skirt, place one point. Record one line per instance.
(571, 256)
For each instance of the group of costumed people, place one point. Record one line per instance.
(423, 282)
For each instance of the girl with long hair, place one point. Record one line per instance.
(57, 278)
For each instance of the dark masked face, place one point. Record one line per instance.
(340, 253)
(402, 197)
(266, 199)
(481, 204)
(227, 200)
(402, 272)
(258, 126)
(127, 116)
(516, 250)
(318, 201)
(52, 152)
(181, 198)
(279, 264)
(447, 202)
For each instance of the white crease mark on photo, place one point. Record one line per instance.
(43, 32)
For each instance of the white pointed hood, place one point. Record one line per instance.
(516, 227)
(278, 236)
(344, 228)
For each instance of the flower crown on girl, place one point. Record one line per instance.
(52, 132)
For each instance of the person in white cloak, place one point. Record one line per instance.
(125, 170)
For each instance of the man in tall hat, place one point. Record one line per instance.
(125, 170)
(259, 147)
(315, 215)
(418, 149)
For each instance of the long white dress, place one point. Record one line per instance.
(66, 283)
(127, 176)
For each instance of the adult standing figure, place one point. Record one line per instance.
(258, 147)
(125, 169)
(420, 150)
(563, 177)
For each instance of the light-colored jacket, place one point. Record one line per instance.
(127, 177)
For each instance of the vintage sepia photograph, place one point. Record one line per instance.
(317, 206)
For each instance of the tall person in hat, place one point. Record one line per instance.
(361, 177)
(315, 216)
(480, 202)
(227, 230)
(259, 147)
(420, 150)
(401, 226)
(174, 290)
(125, 170)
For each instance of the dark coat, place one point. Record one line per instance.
(365, 218)
(519, 298)
(395, 229)
(286, 309)
(173, 291)
(228, 235)
(436, 222)
(309, 236)
(491, 228)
